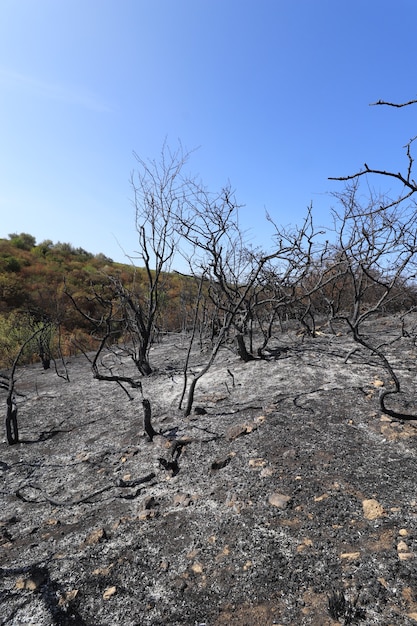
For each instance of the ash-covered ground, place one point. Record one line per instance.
(286, 487)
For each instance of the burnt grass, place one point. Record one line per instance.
(285, 498)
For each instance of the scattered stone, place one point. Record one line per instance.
(279, 500)
(237, 430)
(183, 499)
(306, 543)
(324, 496)
(147, 514)
(403, 551)
(109, 592)
(385, 418)
(95, 537)
(378, 383)
(197, 568)
(255, 463)
(223, 553)
(350, 556)
(67, 597)
(83, 456)
(372, 509)
(103, 571)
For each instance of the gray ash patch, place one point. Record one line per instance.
(291, 490)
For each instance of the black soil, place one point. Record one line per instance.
(285, 498)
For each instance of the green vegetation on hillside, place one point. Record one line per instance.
(33, 278)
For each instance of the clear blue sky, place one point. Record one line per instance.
(275, 92)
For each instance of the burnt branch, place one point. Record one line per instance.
(393, 104)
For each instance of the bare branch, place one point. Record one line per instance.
(393, 104)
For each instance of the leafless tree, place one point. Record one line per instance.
(235, 274)
(8, 382)
(159, 188)
(374, 256)
(292, 277)
(386, 235)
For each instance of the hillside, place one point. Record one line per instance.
(287, 498)
(32, 278)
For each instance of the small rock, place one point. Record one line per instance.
(109, 592)
(103, 571)
(183, 499)
(197, 568)
(324, 496)
(378, 383)
(404, 551)
(257, 462)
(67, 597)
(306, 543)
(236, 431)
(350, 556)
(279, 500)
(95, 536)
(266, 472)
(372, 509)
(240, 429)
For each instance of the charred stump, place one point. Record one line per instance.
(147, 417)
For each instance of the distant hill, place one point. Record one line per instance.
(32, 279)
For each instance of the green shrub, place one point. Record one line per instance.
(24, 241)
(11, 264)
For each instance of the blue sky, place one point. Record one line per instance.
(275, 93)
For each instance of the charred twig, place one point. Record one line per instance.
(60, 502)
(137, 481)
(170, 466)
(393, 104)
(87, 498)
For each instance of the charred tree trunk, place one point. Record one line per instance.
(147, 417)
(241, 349)
(12, 431)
